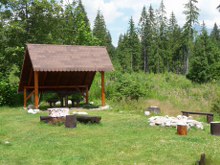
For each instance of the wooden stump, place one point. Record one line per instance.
(215, 128)
(70, 121)
(181, 129)
(202, 160)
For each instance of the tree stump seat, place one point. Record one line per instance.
(209, 116)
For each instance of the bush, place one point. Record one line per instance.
(216, 105)
(9, 95)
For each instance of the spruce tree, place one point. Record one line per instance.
(102, 34)
(174, 46)
(191, 12)
(134, 46)
(206, 56)
(81, 26)
(162, 53)
(215, 34)
(144, 31)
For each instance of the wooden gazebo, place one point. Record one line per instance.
(63, 68)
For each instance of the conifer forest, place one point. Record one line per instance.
(157, 44)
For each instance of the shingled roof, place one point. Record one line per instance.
(69, 58)
(63, 65)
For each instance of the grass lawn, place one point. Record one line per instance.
(121, 138)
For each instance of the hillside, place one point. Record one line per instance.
(171, 92)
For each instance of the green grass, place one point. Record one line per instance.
(121, 138)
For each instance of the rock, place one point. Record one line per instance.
(58, 112)
(174, 121)
(154, 109)
(147, 113)
(33, 111)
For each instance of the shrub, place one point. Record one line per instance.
(216, 105)
(9, 95)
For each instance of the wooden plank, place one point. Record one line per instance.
(58, 78)
(197, 113)
(56, 87)
(36, 99)
(25, 95)
(103, 87)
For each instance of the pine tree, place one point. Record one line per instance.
(81, 26)
(134, 46)
(144, 25)
(99, 29)
(192, 13)
(205, 58)
(162, 57)
(100, 32)
(174, 46)
(123, 54)
(215, 34)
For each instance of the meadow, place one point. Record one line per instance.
(124, 135)
(121, 138)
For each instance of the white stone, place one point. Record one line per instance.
(58, 112)
(174, 121)
(147, 113)
(33, 111)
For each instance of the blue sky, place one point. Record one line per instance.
(118, 12)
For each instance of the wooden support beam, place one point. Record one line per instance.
(29, 96)
(25, 95)
(87, 95)
(103, 87)
(66, 101)
(57, 87)
(36, 99)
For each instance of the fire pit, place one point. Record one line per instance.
(215, 128)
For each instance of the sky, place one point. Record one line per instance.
(118, 12)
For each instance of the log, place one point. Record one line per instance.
(52, 120)
(88, 119)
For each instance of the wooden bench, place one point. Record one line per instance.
(209, 116)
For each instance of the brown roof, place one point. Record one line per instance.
(63, 65)
(69, 58)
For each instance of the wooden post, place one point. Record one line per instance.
(36, 99)
(103, 87)
(25, 100)
(87, 95)
(66, 101)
